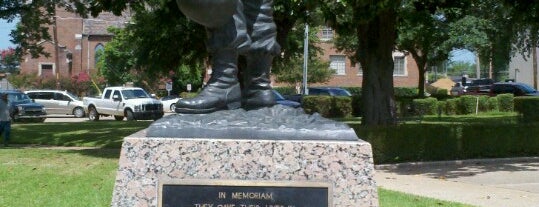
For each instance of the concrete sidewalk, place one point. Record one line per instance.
(490, 182)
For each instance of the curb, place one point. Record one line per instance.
(455, 162)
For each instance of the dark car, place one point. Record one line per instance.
(328, 91)
(515, 88)
(24, 108)
(281, 100)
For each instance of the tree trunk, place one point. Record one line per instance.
(421, 62)
(376, 44)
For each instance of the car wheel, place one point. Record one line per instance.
(78, 112)
(41, 120)
(118, 118)
(173, 107)
(92, 114)
(129, 115)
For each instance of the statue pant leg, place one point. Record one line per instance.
(222, 90)
(256, 77)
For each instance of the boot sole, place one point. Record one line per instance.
(229, 106)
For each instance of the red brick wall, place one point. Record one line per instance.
(82, 49)
(353, 79)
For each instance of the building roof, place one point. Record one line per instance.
(99, 24)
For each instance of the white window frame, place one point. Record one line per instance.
(396, 70)
(46, 63)
(326, 34)
(338, 63)
(359, 69)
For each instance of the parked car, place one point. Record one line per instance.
(281, 100)
(58, 102)
(169, 102)
(319, 91)
(23, 108)
(133, 103)
(515, 88)
(457, 90)
(328, 91)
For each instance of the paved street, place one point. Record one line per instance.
(492, 183)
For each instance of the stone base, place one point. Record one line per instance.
(145, 162)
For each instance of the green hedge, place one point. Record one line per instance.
(426, 106)
(527, 107)
(286, 90)
(435, 142)
(317, 104)
(505, 102)
(328, 106)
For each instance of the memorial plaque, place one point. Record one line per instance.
(218, 193)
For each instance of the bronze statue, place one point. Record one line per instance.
(234, 27)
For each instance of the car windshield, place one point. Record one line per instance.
(526, 88)
(75, 97)
(19, 98)
(134, 93)
(278, 96)
(341, 93)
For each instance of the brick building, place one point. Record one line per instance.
(78, 40)
(347, 74)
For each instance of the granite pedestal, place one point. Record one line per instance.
(146, 162)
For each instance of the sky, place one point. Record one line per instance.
(462, 56)
(5, 29)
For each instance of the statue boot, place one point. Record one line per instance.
(222, 90)
(257, 91)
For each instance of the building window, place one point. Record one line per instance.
(338, 63)
(99, 48)
(327, 34)
(46, 70)
(359, 69)
(399, 66)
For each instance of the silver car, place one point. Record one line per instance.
(58, 102)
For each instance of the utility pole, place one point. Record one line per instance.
(305, 59)
(56, 53)
(477, 66)
(534, 64)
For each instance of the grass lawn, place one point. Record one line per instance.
(105, 134)
(65, 178)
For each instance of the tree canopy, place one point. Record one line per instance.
(368, 32)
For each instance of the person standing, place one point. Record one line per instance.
(5, 118)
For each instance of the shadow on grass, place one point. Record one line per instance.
(100, 135)
(467, 169)
(106, 153)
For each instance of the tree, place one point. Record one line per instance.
(318, 72)
(371, 26)
(9, 61)
(424, 30)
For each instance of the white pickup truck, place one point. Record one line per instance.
(130, 102)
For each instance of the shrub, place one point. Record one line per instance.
(425, 106)
(505, 102)
(405, 93)
(467, 104)
(341, 106)
(527, 108)
(288, 90)
(483, 106)
(451, 106)
(433, 142)
(440, 94)
(317, 104)
(492, 104)
(356, 100)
